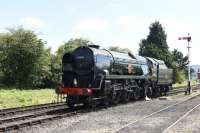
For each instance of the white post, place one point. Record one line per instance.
(189, 89)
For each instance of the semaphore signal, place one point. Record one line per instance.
(188, 38)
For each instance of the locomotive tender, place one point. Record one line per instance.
(91, 74)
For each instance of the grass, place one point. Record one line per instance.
(177, 85)
(10, 98)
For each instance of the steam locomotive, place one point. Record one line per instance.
(92, 75)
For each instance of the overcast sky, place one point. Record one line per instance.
(121, 23)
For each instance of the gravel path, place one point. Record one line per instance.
(158, 122)
(190, 124)
(106, 120)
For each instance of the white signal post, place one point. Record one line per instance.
(188, 38)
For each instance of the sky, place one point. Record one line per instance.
(107, 23)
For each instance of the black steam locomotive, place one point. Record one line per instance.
(92, 75)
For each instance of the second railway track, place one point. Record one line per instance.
(163, 119)
(13, 119)
(13, 111)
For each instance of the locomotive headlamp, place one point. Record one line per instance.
(89, 91)
(75, 82)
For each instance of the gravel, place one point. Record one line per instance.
(190, 124)
(106, 120)
(158, 122)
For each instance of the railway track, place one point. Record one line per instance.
(34, 120)
(181, 118)
(15, 118)
(167, 116)
(35, 116)
(18, 110)
(182, 89)
(31, 115)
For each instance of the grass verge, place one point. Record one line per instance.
(10, 98)
(183, 84)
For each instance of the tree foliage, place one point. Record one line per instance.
(1, 59)
(21, 55)
(72, 44)
(181, 61)
(25, 62)
(156, 46)
(118, 49)
(51, 72)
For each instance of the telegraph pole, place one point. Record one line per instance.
(188, 38)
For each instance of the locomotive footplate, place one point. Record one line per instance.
(125, 77)
(77, 91)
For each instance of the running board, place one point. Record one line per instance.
(125, 77)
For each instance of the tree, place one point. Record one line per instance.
(21, 57)
(52, 77)
(156, 44)
(72, 44)
(118, 49)
(181, 61)
(1, 58)
(42, 77)
(55, 69)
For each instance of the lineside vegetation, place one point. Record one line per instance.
(26, 63)
(12, 97)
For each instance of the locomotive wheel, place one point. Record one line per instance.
(70, 103)
(162, 89)
(126, 97)
(157, 92)
(149, 92)
(106, 101)
(166, 90)
(136, 93)
(115, 98)
(154, 92)
(93, 105)
(89, 103)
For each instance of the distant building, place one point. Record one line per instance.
(198, 74)
(195, 75)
